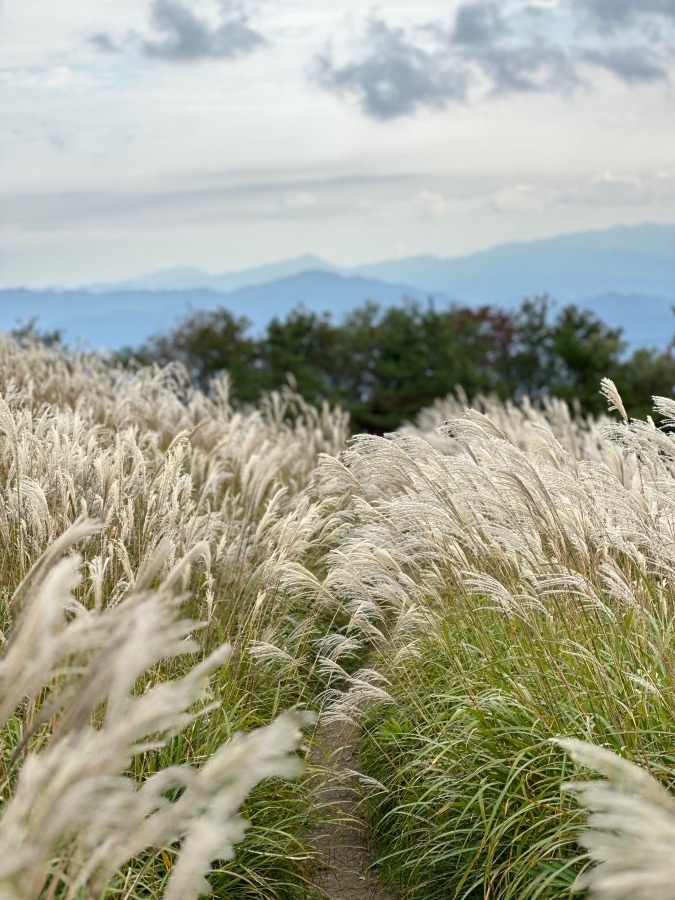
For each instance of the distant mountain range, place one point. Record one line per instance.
(190, 278)
(116, 318)
(626, 275)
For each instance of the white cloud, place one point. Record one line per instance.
(59, 77)
(611, 178)
(298, 200)
(523, 198)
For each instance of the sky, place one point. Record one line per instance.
(143, 134)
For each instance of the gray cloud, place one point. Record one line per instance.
(631, 64)
(485, 39)
(396, 77)
(479, 23)
(535, 67)
(402, 71)
(181, 36)
(105, 42)
(489, 50)
(618, 14)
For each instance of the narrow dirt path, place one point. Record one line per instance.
(343, 844)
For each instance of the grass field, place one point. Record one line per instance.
(186, 588)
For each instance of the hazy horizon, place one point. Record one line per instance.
(385, 259)
(347, 268)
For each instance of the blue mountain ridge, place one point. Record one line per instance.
(127, 318)
(626, 275)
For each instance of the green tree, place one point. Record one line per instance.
(647, 373)
(26, 333)
(566, 355)
(585, 351)
(529, 367)
(207, 343)
(304, 345)
(407, 356)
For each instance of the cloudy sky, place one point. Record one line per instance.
(139, 134)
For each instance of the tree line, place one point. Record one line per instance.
(386, 364)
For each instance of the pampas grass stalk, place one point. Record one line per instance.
(631, 828)
(72, 797)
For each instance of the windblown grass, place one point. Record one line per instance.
(632, 828)
(490, 600)
(197, 507)
(515, 586)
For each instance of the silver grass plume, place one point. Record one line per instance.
(610, 392)
(631, 828)
(80, 672)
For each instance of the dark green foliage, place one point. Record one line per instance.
(566, 357)
(385, 365)
(26, 333)
(207, 343)
(648, 373)
(410, 355)
(306, 346)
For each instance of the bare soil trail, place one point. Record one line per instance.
(346, 874)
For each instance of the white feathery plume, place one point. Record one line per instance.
(631, 828)
(610, 392)
(72, 796)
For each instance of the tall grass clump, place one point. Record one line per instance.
(118, 777)
(515, 586)
(73, 725)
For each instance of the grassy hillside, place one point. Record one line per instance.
(184, 587)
